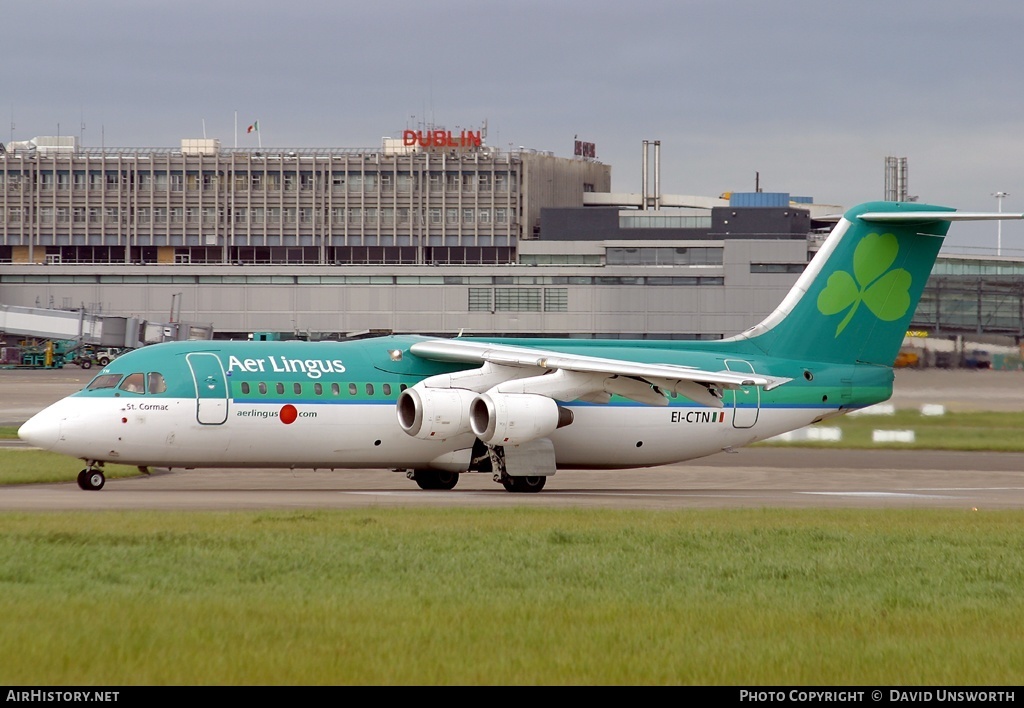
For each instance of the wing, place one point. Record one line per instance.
(569, 377)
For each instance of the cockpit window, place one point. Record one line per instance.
(134, 383)
(104, 381)
(157, 384)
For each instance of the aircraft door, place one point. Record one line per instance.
(746, 400)
(211, 387)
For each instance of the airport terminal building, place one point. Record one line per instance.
(432, 233)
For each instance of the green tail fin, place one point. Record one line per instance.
(855, 300)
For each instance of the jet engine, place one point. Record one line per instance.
(515, 418)
(434, 413)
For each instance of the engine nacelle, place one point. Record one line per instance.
(515, 418)
(434, 413)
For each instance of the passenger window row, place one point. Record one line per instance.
(335, 389)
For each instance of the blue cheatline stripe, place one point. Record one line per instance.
(580, 404)
(729, 407)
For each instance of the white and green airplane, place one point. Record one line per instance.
(518, 409)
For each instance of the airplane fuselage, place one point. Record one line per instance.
(333, 405)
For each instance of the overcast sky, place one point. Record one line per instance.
(812, 94)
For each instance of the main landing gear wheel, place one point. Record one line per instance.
(91, 480)
(435, 479)
(523, 485)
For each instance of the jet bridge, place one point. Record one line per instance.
(97, 330)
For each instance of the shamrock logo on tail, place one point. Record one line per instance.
(885, 292)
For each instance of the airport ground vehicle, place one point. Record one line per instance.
(87, 356)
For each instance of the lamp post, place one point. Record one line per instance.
(999, 224)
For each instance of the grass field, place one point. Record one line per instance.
(518, 596)
(514, 596)
(984, 430)
(28, 466)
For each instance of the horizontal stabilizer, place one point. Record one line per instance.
(889, 217)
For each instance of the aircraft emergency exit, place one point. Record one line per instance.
(518, 409)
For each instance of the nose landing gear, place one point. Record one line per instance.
(91, 478)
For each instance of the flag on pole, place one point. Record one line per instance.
(254, 128)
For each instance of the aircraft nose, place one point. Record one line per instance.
(41, 430)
